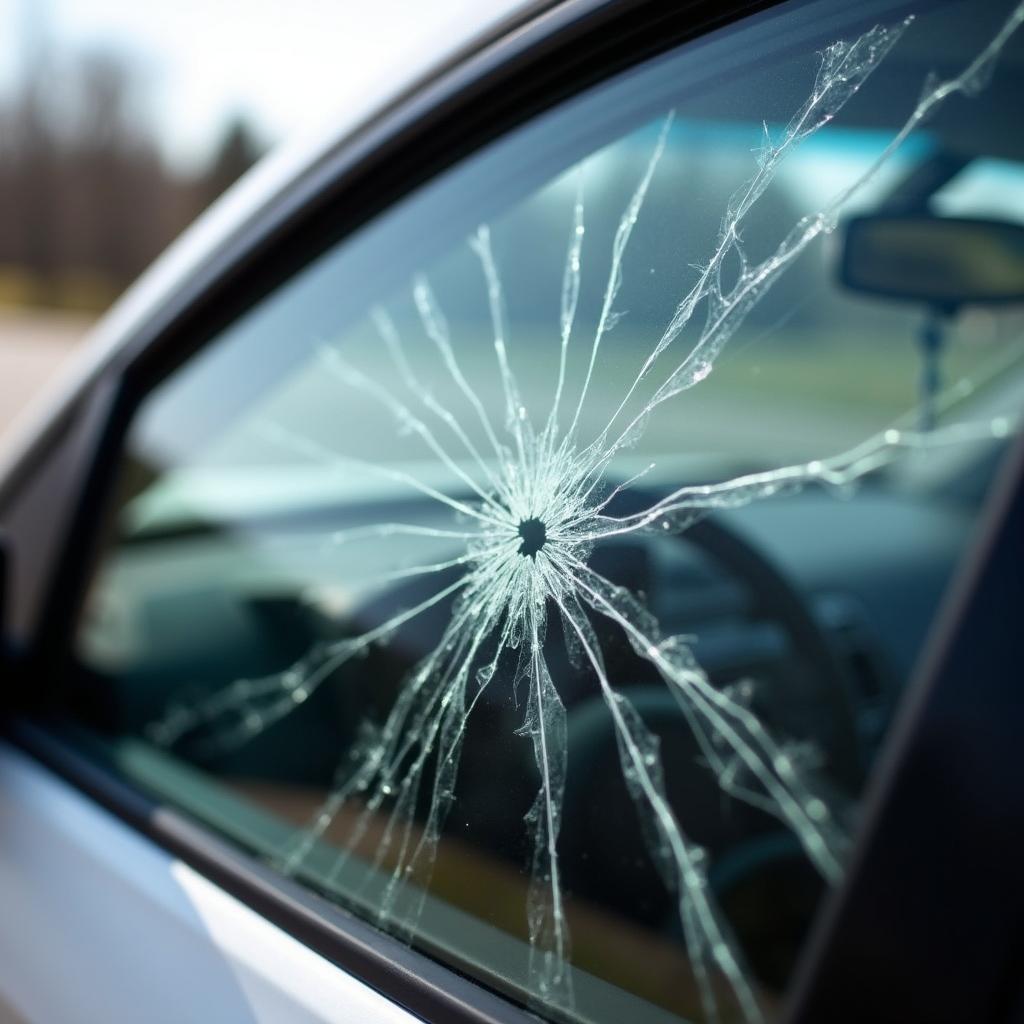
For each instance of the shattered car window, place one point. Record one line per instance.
(538, 571)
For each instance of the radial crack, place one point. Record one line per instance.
(525, 514)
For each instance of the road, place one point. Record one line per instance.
(33, 346)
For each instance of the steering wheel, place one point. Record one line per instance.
(774, 598)
(600, 830)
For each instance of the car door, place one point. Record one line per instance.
(516, 575)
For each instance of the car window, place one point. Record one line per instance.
(537, 572)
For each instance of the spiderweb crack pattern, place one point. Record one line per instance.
(531, 506)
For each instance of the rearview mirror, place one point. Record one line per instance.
(943, 262)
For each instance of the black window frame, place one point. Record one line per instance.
(527, 65)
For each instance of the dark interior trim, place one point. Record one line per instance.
(929, 923)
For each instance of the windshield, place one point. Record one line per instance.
(539, 569)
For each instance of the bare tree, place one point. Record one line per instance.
(85, 195)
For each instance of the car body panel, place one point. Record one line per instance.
(134, 933)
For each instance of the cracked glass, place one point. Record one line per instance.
(538, 571)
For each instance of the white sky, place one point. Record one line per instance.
(286, 63)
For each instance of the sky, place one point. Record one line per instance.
(286, 64)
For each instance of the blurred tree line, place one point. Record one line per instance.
(86, 198)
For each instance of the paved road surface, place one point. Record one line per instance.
(32, 348)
